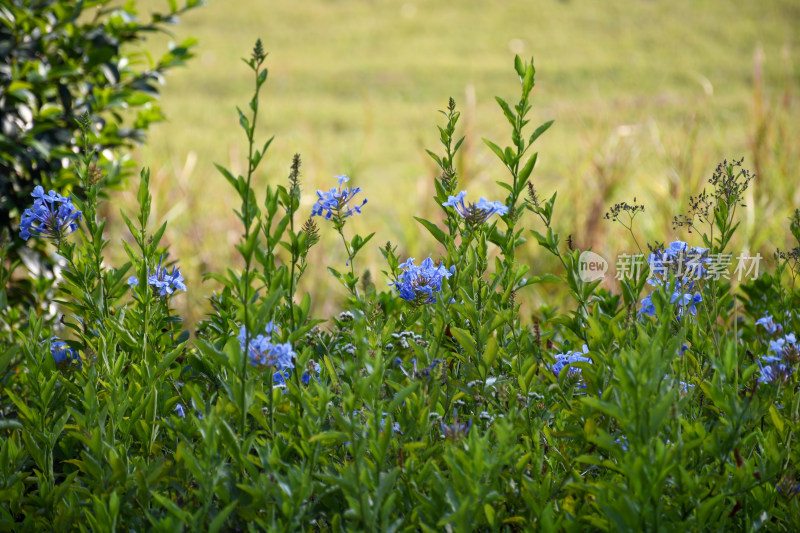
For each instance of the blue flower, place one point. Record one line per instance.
(686, 301)
(773, 372)
(769, 324)
(51, 216)
(180, 411)
(162, 281)
(279, 378)
(647, 306)
(62, 353)
(475, 213)
(263, 352)
(785, 344)
(334, 204)
(313, 368)
(457, 430)
(687, 265)
(419, 283)
(564, 360)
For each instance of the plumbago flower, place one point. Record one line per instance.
(163, 282)
(51, 216)
(475, 213)
(334, 204)
(62, 353)
(457, 430)
(777, 368)
(769, 324)
(687, 265)
(419, 283)
(266, 354)
(564, 360)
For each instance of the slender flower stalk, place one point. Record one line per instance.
(335, 205)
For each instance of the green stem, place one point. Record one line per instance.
(350, 257)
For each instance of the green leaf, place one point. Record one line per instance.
(170, 506)
(527, 80)
(525, 173)
(777, 420)
(435, 158)
(10, 424)
(222, 516)
(329, 436)
(490, 352)
(331, 370)
(228, 176)
(434, 230)
(510, 116)
(519, 66)
(497, 150)
(400, 397)
(464, 339)
(541, 129)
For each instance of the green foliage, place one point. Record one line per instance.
(401, 413)
(60, 60)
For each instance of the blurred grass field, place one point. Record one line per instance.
(647, 97)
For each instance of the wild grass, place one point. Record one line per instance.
(647, 97)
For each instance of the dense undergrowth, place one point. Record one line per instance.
(429, 403)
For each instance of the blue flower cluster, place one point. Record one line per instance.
(785, 351)
(476, 213)
(564, 360)
(263, 352)
(457, 430)
(52, 216)
(419, 283)
(769, 324)
(62, 353)
(687, 265)
(162, 281)
(335, 203)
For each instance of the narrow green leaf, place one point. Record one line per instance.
(434, 230)
(497, 150)
(464, 339)
(541, 129)
(222, 516)
(400, 397)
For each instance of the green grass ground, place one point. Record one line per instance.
(647, 97)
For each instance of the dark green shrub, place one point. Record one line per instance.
(60, 59)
